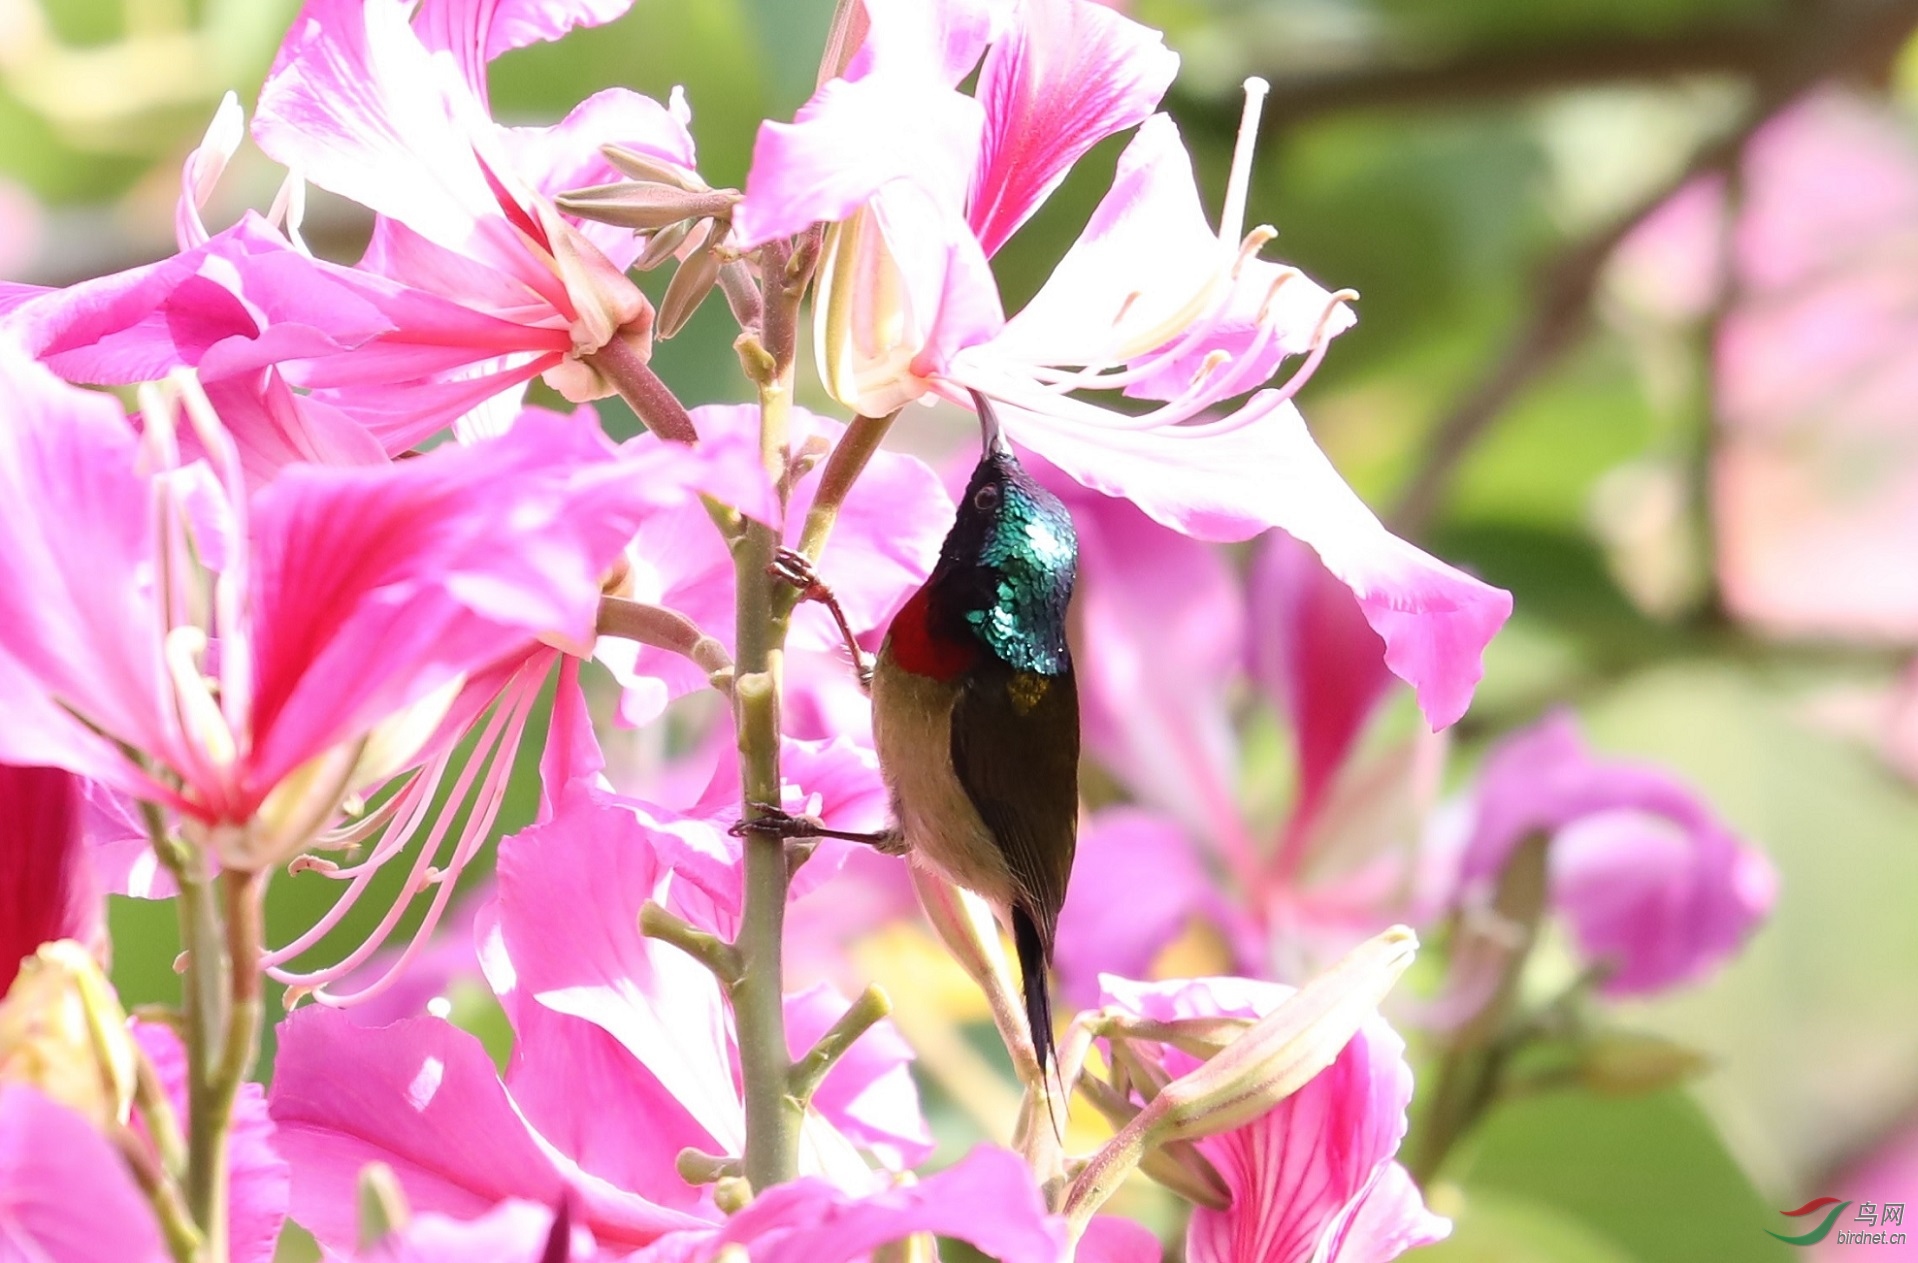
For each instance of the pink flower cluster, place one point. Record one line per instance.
(310, 594)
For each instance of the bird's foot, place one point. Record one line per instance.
(795, 569)
(769, 819)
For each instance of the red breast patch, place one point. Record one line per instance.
(921, 650)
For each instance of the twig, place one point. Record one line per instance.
(649, 397)
(666, 629)
(710, 950)
(811, 1070)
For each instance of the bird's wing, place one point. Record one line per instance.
(1015, 750)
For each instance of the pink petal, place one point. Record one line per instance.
(581, 1090)
(72, 503)
(422, 1097)
(1649, 878)
(1814, 488)
(1110, 1239)
(950, 292)
(1163, 638)
(119, 852)
(360, 107)
(47, 887)
(935, 40)
(511, 1232)
(572, 757)
(477, 34)
(883, 547)
(376, 587)
(850, 141)
(1113, 923)
(258, 1176)
(1434, 620)
(64, 1193)
(570, 895)
(1391, 1218)
(378, 353)
(1314, 654)
(1064, 78)
(1141, 260)
(987, 1199)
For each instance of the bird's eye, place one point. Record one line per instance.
(987, 497)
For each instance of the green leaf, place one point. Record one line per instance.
(1648, 1174)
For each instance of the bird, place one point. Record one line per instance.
(975, 711)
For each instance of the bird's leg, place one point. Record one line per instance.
(784, 824)
(795, 568)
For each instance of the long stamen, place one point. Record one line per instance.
(348, 836)
(1232, 214)
(230, 586)
(492, 794)
(421, 793)
(1321, 342)
(288, 211)
(494, 751)
(418, 797)
(209, 741)
(1105, 377)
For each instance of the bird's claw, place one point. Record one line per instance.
(794, 568)
(797, 571)
(780, 823)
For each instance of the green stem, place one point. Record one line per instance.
(204, 1007)
(224, 1012)
(773, 1113)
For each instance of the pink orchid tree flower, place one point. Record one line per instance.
(472, 750)
(305, 360)
(610, 1026)
(1656, 889)
(48, 889)
(1315, 1179)
(248, 660)
(388, 108)
(64, 1193)
(920, 184)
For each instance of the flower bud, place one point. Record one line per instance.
(645, 206)
(692, 281)
(63, 1032)
(1284, 1050)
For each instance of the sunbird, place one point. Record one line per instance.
(975, 712)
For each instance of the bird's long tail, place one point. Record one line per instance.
(1031, 947)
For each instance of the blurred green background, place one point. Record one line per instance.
(1466, 165)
